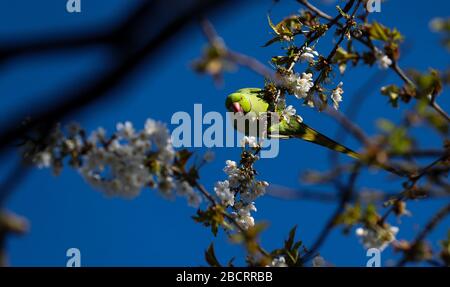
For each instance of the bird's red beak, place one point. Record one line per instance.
(237, 108)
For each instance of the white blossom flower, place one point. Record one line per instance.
(118, 167)
(308, 55)
(222, 190)
(383, 60)
(257, 190)
(70, 144)
(336, 96)
(98, 135)
(166, 185)
(279, 261)
(157, 131)
(288, 112)
(230, 168)
(43, 159)
(251, 141)
(318, 261)
(377, 237)
(233, 173)
(125, 129)
(123, 164)
(239, 191)
(194, 199)
(185, 189)
(243, 214)
(300, 85)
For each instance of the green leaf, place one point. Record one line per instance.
(230, 262)
(212, 217)
(280, 60)
(271, 41)
(371, 215)
(285, 30)
(393, 92)
(210, 257)
(274, 28)
(385, 125)
(297, 245)
(345, 15)
(350, 216)
(378, 32)
(290, 241)
(428, 83)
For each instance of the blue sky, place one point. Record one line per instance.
(66, 212)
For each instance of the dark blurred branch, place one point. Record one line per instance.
(316, 10)
(349, 126)
(438, 108)
(418, 153)
(346, 195)
(429, 227)
(317, 35)
(114, 37)
(129, 60)
(233, 221)
(9, 224)
(395, 67)
(354, 107)
(411, 184)
(365, 196)
(243, 60)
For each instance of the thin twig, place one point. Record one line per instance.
(438, 108)
(243, 60)
(395, 67)
(316, 36)
(411, 184)
(363, 195)
(211, 199)
(349, 126)
(435, 220)
(316, 10)
(346, 196)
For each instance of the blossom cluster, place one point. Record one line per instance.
(241, 188)
(336, 95)
(120, 165)
(302, 85)
(384, 62)
(278, 262)
(377, 236)
(308, 54)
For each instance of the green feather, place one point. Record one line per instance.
(251, 101)
(297, 129)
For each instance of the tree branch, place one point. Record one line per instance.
(435, 220)
(100, 88)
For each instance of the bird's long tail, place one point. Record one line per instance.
(311, 135)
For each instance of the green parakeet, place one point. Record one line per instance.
(249, 100)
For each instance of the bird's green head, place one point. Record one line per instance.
(240, 101)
